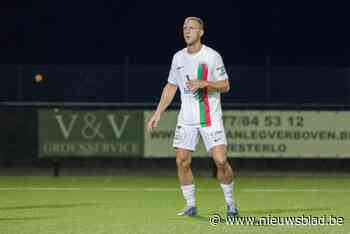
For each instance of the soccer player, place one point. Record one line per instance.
(199, 72)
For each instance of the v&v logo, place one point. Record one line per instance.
(90, 126)
(64, 129)
(118, 131)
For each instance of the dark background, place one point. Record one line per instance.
(120, 51)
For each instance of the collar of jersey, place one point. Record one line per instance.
(196, 54)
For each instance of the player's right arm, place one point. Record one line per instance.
(167, 96)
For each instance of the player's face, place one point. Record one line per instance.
(192, 32)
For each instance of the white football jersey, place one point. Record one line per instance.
(198, 110)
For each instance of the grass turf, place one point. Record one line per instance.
(34, 205)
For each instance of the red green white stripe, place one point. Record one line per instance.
(204, 110)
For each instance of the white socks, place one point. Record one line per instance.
(188, 193)
(228, 193)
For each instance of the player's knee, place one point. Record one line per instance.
(221, 163)
(183, 163)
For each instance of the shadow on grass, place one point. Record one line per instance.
(45, 206)
(199, 218)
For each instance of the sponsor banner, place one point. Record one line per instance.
(290, 134)
(90, 133)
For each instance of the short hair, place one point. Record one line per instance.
(199, 20)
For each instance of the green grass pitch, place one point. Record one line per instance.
(136, 204)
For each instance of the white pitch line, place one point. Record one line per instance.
(100, 189)
(269, 190)
(247, 190)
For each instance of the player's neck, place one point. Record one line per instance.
(194, 48)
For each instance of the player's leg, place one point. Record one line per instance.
(224, 169)
(225, 177)
(214, 139)
(185, 141)
(183, 162)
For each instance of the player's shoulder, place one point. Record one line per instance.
(180, 53)
(212, 52)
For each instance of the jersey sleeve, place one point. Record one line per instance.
(219, 69)
(172, 78)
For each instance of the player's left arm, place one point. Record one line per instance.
(219, 82)
(222, 86)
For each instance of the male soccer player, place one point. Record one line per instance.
(199, 72)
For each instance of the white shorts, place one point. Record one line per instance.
(186, 137)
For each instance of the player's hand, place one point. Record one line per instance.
(153, 122)
(196, 84)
